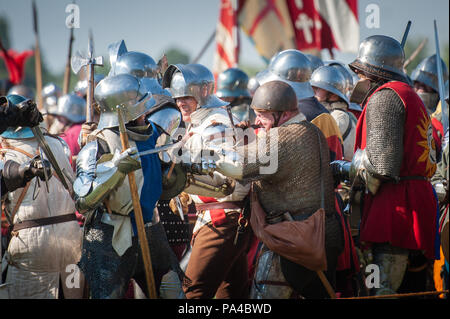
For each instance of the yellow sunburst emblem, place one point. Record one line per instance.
(429, 147)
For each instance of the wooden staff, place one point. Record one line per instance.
(138, 213)
(68, 71)
(37, 57)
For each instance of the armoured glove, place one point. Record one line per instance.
(125, 162)
(206, 167)
(110, 173)
(341, 170)
(29, 115)
(16, 175)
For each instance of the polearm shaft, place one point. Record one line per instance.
(79, 61)
(90, 88)
(68, 71)
(415, 53)
(440, 80)
(37, 57)
(138, 214)
(405, 34)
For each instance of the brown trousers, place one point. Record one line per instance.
(217, 267)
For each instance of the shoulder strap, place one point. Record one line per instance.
(349, 128)
(6, 146)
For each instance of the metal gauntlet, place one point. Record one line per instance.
(109, 174)
(358, 171)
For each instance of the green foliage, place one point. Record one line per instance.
(176, 55)
(4, 31)
(429, 49)
(250, 70)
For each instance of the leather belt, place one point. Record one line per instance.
(219, 205)
(44, 221)
(409, 178)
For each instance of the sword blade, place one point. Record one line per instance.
(160, 149)
(45, 171)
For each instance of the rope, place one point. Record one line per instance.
(414, 294)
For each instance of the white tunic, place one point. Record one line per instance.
(39, 257)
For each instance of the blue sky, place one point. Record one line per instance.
(153, 26)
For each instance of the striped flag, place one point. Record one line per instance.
(227, 37)
(306, 25)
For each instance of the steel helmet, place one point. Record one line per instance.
(292, 67)
(193, 80)
(125, 90)
(232, 83)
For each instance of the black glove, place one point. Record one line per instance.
(17, 175)
(29, 114)
(340, 170)
(9, 113)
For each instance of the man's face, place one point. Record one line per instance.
(324, 95)
(420, 87)
(187, 105)
(265, 119)
(321, 94)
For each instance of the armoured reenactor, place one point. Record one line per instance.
(69, 115)
(330, 87)
(232, 87)
(294, 68)
(45, 236)
(350, 79)
(425, 81)
(147, 71)
(296, 188)
(137, 64)
(217, 267)
(111, 255)
(50, 95)
(394, 158)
